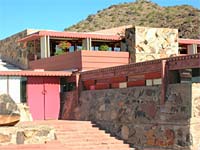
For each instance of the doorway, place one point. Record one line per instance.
(43, 97)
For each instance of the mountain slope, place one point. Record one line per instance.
(144, 13)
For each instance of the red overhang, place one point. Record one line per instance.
(70, 35)
(35, 73)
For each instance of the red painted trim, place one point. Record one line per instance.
(153, 75)
(189, 41)
(80, 35)
(136, 83)
(35, 73)
(100, 86)
(114, 85)
(87, 84)
(92, 87)
(118, 79)
(104, 80)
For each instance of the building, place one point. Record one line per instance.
(27, 49)
(144, 89)
(14, 86)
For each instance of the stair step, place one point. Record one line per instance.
(73, 135)
(116, 146)
(77, 129)
(31, 146)
(75, 143)
(68, 132)
(90, 139)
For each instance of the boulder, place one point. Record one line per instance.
(9, 112)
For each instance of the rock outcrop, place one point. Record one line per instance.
(9, 112)
(22, 134)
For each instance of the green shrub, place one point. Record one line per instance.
(104, 47)
(59, 52)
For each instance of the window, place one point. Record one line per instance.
(66, 86)
(23, 83)
(196, 75)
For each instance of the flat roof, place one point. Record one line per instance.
(65, 34)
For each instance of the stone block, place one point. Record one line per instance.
(102, 107)
(26, 134)
(157, 81)
(20, 137)
(4, 138)
(123, 85)
(149, 82)
(125, 132)
(113, 115)
(9, 112)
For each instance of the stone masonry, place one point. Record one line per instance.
(136, 115)
(12, 51)
(146, 43)
(26, 134)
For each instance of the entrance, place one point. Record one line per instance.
(43, 97)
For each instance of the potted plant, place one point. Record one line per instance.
(104, 47)
(62, 47)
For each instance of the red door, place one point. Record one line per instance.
(43, 97)
(52, 97)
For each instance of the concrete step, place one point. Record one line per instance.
(68, 128)
(73, 135)
(85, 132)
(87, 143)
(90, 140)
(106, 146)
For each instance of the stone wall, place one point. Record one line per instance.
(146, 43)
(135, 115)
(26, 135)
(68, 104)
(14, 52)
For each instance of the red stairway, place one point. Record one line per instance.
(73, 135)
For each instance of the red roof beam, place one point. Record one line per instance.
(189, 41)
(29, 38)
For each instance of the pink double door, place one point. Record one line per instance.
(43, 97)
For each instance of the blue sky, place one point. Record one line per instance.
(17, 15)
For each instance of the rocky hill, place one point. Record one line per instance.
(144, 13)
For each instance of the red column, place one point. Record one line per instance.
(164, 72)
(77, 87)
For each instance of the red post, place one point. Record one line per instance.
(77, 87)
(164, 72)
